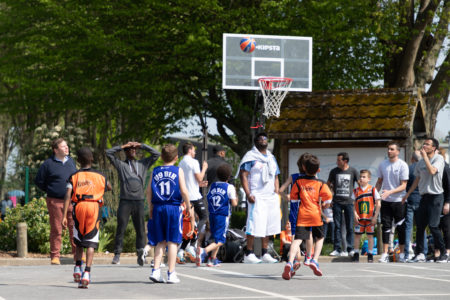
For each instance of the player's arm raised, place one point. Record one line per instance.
(184, 193)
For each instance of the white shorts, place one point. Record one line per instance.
(264, 217)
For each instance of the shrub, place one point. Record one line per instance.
(238, 219)
(35, 214)
(129, 238)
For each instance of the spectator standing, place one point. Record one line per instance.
(52, 178)
(132, 174)
(214, 162)
(258, 172)
(445, 219)
(412, 206)
(393, 174)
(429, 173)
(342, 180)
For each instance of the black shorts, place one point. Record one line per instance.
(303, 233)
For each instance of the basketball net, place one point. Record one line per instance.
(274, 89)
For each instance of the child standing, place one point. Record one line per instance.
(165, 192)
(85, 188)
(220, 195)
(367, 207)
(314, 194)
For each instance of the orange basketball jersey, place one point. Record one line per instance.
(365, 202)
(88, 185)
(310, 191)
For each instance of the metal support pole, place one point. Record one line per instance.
(27, 183)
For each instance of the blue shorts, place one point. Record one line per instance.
(166, 224)
(293, 214)
(218, 225)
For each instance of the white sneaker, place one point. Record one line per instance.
(419, 258)
(172, 277)
(344, 253)
(401, 258)
(335, 253)
(351, 253)
(267, 258)
(251, 259)
(156, 276)
(190, 252)
(384, 258)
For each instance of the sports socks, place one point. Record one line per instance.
(87, 269)
(78, 263)
(263, 251)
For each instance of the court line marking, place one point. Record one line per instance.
(276, 295)
(408, 275)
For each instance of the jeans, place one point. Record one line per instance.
(135, 208)
(347, 211)
(412, 209)
(328, 227)
(430, 209)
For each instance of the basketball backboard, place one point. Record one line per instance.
(274, 56)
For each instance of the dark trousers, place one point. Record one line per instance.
(347, 211)
(135, 208)
(393, 211)
(445, 227)
(430, 209)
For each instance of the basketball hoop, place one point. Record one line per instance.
(274, 89)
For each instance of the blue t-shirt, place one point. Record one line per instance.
(218, 200)
(165, 186)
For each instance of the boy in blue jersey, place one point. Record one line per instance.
(220, 195)
(165, 192)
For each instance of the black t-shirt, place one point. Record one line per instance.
(343, 183)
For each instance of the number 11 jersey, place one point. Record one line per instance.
(166, 186)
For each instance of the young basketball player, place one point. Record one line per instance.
(85, 189)
(188, 242)
(295, 204)
(367, 208)
(165, 192)
(220, 195)
(314, 194)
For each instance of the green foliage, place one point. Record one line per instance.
(129, 239)
(105, 238)
(238, 219)
(36, 216)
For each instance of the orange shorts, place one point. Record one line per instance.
(364, 226)
(86, 216)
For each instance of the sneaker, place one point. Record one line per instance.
(85, 280)
(297, 265)
(213, 262)
(267, 258)
(370, 258)
(156, 276)
(55, 261)
(287, 271)
(116, 259)
(201, 257)
(401, 258)
(172, 277)
(335, 253)
(351, 253)
(190, 252)
(384, 258)
(355, 257)
(141, 257)
(419, 258)
(307, 261)
(344, 253)
(442, 259)
(251, 259)
(77, 272)
(314, 265)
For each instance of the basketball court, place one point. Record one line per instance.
(233, 281)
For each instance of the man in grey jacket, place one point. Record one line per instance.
(132, 174)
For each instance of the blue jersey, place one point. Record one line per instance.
(218, 200)
(166, 186)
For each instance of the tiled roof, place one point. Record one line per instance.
(371, 114)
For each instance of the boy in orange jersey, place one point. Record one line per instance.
(367, 208)
(187, 245)
(314, 194)
(85, 189)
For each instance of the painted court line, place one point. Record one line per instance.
(408, 275)
(276, 295)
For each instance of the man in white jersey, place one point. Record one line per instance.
(429, 172)
(393, 174)
(258, 172)
(194, 180)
